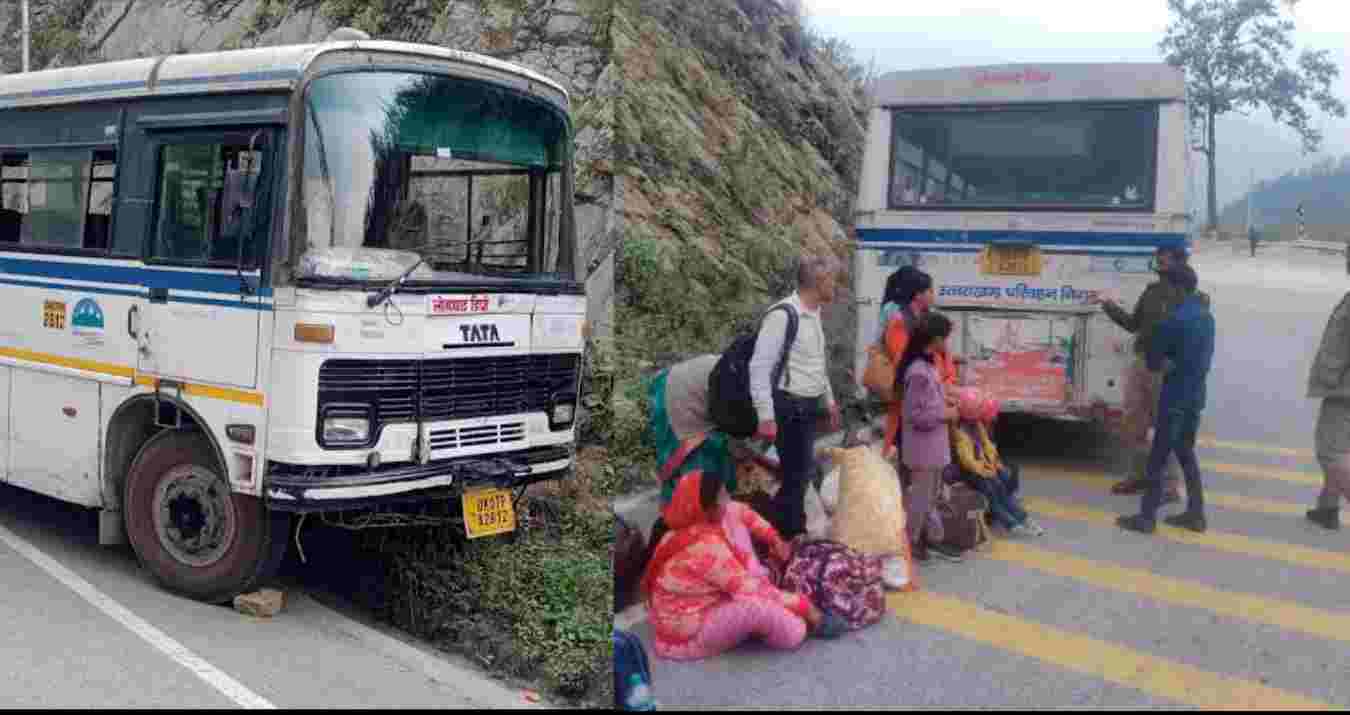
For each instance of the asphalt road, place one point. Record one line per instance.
(85, 627)
(1254, 612)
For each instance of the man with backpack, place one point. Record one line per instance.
(789, 392)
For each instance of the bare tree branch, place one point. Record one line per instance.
(103, 39)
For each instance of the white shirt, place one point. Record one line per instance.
(805, 374)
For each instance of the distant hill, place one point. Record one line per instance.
(1324, 190)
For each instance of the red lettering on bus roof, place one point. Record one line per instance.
(1029, 76)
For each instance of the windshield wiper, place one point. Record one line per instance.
(388, 291)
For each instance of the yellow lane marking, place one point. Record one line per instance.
(1235, 502)
(217, 393)
(1213, 442)
(1294, 554)
(1117, 664)
(1247, 471)
(68, 362)
(1328, 625)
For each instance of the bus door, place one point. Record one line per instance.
(213, 210)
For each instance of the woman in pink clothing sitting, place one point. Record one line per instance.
(705, 591)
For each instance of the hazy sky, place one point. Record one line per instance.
(911, 35)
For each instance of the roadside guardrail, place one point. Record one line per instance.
(1320, 246)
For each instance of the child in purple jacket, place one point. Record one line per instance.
(925, 449)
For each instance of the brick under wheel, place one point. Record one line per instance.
(189, 530)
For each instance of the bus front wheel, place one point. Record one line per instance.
(189, 530)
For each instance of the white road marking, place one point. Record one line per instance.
(229, 687)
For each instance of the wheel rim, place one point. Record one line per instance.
(194, 515)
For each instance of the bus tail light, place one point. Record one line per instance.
(313, 333)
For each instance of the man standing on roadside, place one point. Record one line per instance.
(788, 411)
(1251, 236)
(1186, 339)
(1142, 386)
(1329, 380)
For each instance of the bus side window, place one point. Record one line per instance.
(13, 197)
(56, 198)
(98, 218)
(212, 199)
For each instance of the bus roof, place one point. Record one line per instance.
(266, 68)
(1030, 83)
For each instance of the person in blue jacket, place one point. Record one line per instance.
(1186, 339)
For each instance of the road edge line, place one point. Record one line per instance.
(161, 641)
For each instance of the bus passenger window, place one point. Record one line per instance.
(14, 222)
(98, 219)
(212, 202)
(56, 198)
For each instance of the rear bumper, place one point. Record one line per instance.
(295, 489)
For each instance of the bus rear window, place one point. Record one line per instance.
(1052, 158)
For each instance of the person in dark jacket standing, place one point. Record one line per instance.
(1186, 339)
(1141, 386)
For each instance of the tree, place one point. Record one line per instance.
(1234, 55)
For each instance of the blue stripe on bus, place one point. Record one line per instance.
(923, 248)
(67, 91)
(142, 84)
(125, 275)
(242, 77)
(191, 300)
(1041, 238)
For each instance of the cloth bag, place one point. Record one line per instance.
(879, 375)
(869, 516)
(838, 580)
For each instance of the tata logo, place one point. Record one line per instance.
(480, 333)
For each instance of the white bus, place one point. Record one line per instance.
(1025, 191)
(334, 278)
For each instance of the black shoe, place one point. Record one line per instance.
(945, 552)
(1326, 518)
(1186, 520)
(1138, 522)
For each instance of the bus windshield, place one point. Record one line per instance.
(402, 166)
(1025, 158)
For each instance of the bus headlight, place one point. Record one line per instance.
(345, 426)
(563, 411)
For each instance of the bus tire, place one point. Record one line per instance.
(190, 530)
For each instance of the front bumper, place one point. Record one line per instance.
(296, 489)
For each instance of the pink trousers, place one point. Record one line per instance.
(733, 623)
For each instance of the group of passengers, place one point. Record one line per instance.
(705, 585)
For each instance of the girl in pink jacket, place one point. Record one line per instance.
(924, 445)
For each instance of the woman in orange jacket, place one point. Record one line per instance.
(916, 296)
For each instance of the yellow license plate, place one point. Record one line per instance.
(1012, 260)
(488, 512)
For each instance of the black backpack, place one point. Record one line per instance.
(729, 401)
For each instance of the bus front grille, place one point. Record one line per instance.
(446, 389)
